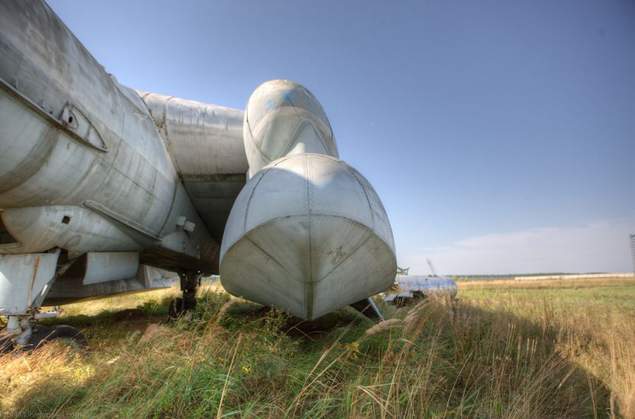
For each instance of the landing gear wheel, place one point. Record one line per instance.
(43, 334)
(179, 306)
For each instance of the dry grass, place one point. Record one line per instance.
(552, 283)
(503, 350)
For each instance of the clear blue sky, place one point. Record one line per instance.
(499, 134)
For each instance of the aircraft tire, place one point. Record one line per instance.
(43, 334)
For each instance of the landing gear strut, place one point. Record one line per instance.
(23, 332)
(369, 309)
(189, 284)
(26, 279)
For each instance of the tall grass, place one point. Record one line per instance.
(489, 354)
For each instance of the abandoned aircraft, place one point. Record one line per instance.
(410, 289)
(101, 185)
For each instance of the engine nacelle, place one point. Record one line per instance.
(307, 233)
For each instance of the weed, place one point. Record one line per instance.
(503, 350)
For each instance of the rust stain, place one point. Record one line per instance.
(36, 267)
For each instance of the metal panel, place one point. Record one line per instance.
(203, 139)
(59, 113)
(110, 266)
(206, 145)
(282, 118)
(307, 233)
(45, 63)
(73, 228)
(213, 197)
(24, 280)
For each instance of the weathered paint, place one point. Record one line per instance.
(307, 233)
(74, 228)
(72, 137)
(92, 167)
(203, 139)
(24, 279)
(206, 144)
(110, 266)
(284, 118)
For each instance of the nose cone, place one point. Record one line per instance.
(307, 234)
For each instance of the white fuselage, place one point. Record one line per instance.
(83, 166)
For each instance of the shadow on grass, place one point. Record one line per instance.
(295, 327)
(444, 360)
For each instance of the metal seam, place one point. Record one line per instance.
(251, 195)
(253, 190)
(359, 246)
(308, 296)
(355, 222)
(370, 207)
(251, 136)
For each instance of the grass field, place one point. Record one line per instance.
(505, 349)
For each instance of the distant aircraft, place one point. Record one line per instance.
(100, 184)
(409, 289)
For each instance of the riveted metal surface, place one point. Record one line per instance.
(69, 227)
(88, 165)
(44, 62)
(110, 266)
(203, 139)
(23, 279)
(206, 144)
(282, 118)
(71, 136)
(307, 233)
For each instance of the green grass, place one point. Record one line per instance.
(502, 350)
(619, 296)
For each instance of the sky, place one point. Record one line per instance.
(500, 135)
